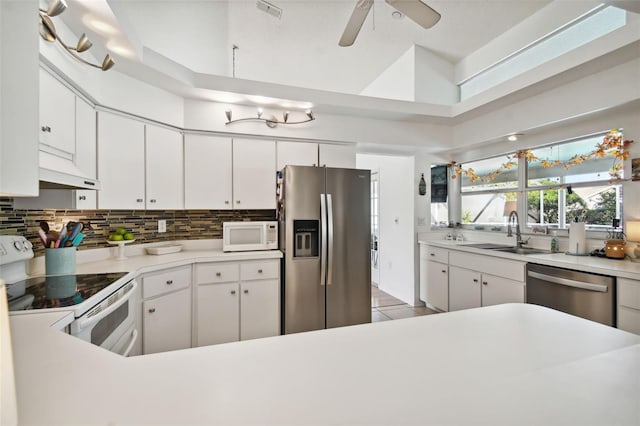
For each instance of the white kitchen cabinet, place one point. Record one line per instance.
(497, 290)
(254, 174)
(341, 156)
(167, 322)
(237, 301)
(86, 139)
(57, 116)
(438, 285)
(296, 154)
(628, 313)
(121, 158)
(472, 289)
(59, 199)
(207, 172)
(164, 168)
(166, 310)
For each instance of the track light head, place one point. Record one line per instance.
(270, 120)
(84, 43)
(107, 63)
(47, 29)
(285, 116)
(309, 114)
(229, 114)
(56, 8)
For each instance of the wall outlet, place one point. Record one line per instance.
(162, 226)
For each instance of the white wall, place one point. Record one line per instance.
(433, 79)
(397, 237)
(397, 81)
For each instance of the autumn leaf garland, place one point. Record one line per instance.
(612, 145)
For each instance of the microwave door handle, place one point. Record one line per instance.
(86, 322)
(323, 238)
(330, 240)
(134, 339)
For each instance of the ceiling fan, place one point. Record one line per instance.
(416, 10)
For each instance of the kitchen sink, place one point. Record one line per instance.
(521, 250)
(488, 246)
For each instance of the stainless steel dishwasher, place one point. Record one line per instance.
(577, 293)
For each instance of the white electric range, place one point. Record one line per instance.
(104, 305)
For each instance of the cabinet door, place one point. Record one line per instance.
(57, 115)
(259, 309)
(296, 154)
(164, 165)
(254, 174)
(464, 288)
(218, 314)
(207, 172)
(167, 322)
(85, 159)
(342, 156)
(438, 285)
(496, 290)
(120, 162)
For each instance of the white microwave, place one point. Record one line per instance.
(249, 236)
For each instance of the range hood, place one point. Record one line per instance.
(61, 173)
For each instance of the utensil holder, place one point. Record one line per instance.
(60, 261)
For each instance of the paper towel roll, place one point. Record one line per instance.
(577, 238)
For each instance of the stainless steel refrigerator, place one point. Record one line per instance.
(324, 219)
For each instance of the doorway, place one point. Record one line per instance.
(375, 227)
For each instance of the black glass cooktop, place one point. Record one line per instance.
(57, 291)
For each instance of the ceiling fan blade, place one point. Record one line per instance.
(358, 16)
(418, 11)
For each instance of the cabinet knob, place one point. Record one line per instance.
(152, 310)
(46, 129)
(82, 197)
(238, 202)
(432, 254)
(218, 274)
(484, 282)
(259, 271)
(169, 282)
(246, 292)
(152, 200)
(233, 292)
(475, 280)
(444, 271)
(226, 202)
(139, 200)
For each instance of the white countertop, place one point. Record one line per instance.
(596, 265)
(506, 364)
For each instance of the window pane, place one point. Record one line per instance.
(596, 205)
(491, 174)
(549, 169)
(487, 209)
(439, 214)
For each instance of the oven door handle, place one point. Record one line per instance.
(567, 282)
(124, 298)
(134, 338)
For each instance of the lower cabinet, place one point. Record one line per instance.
(628, 305)
(438, 285)
(472, 289)
(166, 310)
(237, 301)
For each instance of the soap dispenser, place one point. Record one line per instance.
(554, 242)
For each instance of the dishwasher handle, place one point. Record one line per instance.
(567, 282)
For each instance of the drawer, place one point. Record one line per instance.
(511, 269)
(629, 293)
(165, 281)
(437, 254)
(259, 270)
(629, 319)
(208, 273)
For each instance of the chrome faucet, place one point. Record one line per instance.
(519, 241)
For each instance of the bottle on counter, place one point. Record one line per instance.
(554, 242)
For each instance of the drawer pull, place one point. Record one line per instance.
(226, 202)
(138, 200)
(246, 292)
(444, 271)
(153, 200)
(169, 282)
(218, 274)
(484, 282)
(233, 292)
(82, 198)
(432, 254)
(152, 310)
(259, 271)
(475, 280)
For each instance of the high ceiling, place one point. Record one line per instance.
(301, 48)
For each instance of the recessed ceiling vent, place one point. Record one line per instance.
(269, 8)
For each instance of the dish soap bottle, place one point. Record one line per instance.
(554, 242)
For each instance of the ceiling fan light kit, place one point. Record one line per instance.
(49, 33)
(270, 120)
(416, 10)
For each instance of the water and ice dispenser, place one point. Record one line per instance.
(306, 238)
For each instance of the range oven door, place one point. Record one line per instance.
(112, 323)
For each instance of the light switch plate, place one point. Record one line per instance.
(162, 226)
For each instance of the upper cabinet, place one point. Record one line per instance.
(339, 156)
(296, 154)
(254, 174)
(164, 168)
(120, 162)
(208, 172)
(67, 136)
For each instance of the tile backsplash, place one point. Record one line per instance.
(181, 224)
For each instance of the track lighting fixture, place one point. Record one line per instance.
(270, 120)
(48, 32)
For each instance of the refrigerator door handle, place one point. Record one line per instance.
(323, 238)
(330, 240)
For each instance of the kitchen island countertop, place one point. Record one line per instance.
(505, 364)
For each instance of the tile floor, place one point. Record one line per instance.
(385, 307)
